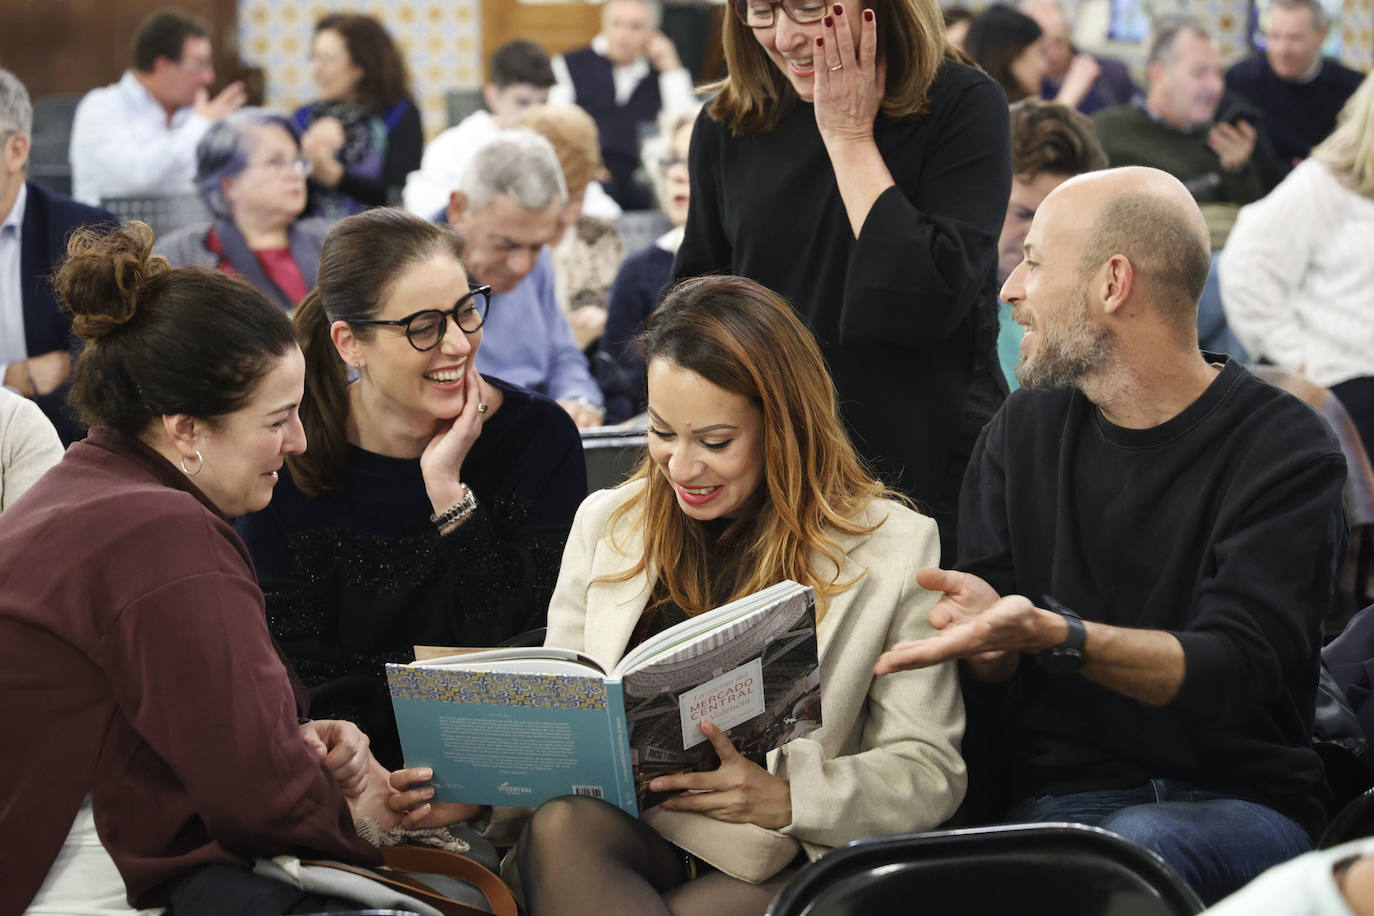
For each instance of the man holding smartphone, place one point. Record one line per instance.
(1187, 125)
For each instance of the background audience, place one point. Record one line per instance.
(749, 479)
(644, 276)
(1299, 91)
(1296, 272)
(518, 77)
(511, 205)
(1188, 127)
(434, 501)
(587, 255)
(251, 174)
(362, 135)
(957, 21)
(139, 135)
(1076, 78)
(873, 207)
(35, 335)
(1007, 45)
(627, 76)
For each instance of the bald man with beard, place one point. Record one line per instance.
(1148, 540)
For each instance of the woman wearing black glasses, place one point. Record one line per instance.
(852, 163)
(433, 503)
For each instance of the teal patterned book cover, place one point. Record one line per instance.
(517, 727)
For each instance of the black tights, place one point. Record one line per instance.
(582, 855)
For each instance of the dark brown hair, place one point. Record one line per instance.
(746, 339)
(520, 61)
(385, 80)
(1053, 138)
(163, 33)
(361, 259)
(754, 98)
(996, 37)
(161, 340)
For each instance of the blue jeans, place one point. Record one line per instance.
(1214, 842)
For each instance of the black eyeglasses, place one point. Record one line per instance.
(425, 329)
(762, 14)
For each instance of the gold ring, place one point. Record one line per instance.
(481, 408)
(837, 67)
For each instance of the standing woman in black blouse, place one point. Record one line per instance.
(853, 164)
(363, 134)
(433, 503)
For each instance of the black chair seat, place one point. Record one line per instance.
(1027, 869)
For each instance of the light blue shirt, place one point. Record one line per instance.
(527, 340)
(122, 144)
(13, 346)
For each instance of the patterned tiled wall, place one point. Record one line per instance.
(1227, 20)
(440, 39)
(1357, 34)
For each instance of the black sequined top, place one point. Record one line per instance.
(357, 578)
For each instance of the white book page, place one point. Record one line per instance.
(528, 660)
(719, 618)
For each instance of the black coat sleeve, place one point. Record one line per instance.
(927, 248)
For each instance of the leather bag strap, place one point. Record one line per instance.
(399, 861)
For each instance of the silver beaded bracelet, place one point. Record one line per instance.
(458, 512)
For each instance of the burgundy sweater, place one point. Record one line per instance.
(135, 665)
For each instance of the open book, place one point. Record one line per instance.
(521, 726)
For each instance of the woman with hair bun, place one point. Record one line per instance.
(135, 663)
(749, 479)
(434, 501)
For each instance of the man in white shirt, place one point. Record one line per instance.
(139, 135)
(630, 73)
(518, 79)
(35, 223)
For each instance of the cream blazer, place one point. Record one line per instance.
(886, 758)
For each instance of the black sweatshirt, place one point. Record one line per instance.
(1224, 526)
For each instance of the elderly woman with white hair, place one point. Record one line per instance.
(251, 174)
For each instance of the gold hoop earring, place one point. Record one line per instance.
(200, 463)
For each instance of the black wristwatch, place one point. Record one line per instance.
(1067, 657)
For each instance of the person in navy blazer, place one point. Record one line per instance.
(47, 221)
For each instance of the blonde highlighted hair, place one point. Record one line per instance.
(755, 97)
(1349, 150)
(746, 339)
(573, 135)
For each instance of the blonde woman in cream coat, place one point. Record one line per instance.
(750, 479)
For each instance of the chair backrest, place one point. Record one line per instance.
(612, 455)
(163, 212)
(639, 228)
(1354, 821)
(460, 103)
(52, 134)
(1028, 869)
